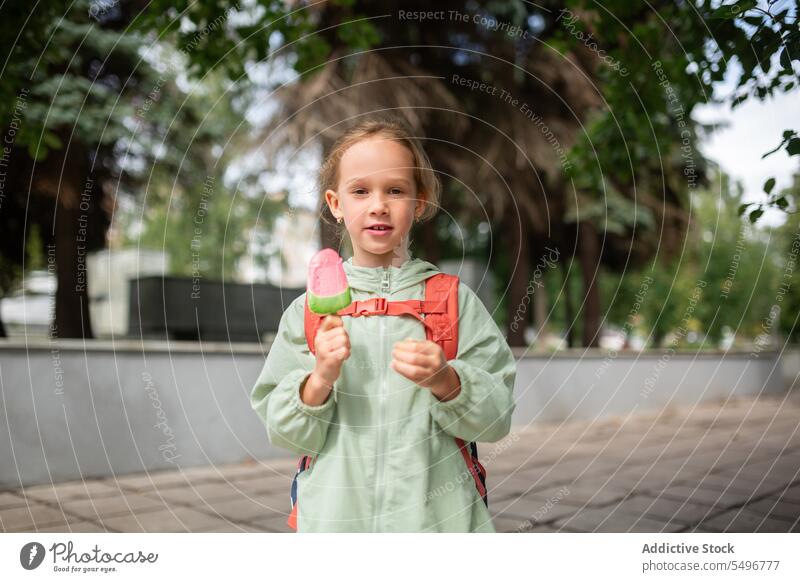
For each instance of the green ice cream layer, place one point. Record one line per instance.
(327, 305)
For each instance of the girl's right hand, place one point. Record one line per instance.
(332, 348)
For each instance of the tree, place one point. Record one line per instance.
(591, 116)
(70, 99)
(190, 210)
(726, 277)
(787, 295)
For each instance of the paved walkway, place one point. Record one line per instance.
(715, 468)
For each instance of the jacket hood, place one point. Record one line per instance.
(412, 272)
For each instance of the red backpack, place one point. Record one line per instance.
(438, 312)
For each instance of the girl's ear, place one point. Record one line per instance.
(332, 200)
(422, 203)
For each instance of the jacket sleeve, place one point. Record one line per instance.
(487, 370)
(291, 423)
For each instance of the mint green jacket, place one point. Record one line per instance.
(385, 455)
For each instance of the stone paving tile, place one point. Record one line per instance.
(9, 499)
(714, 460)
(593, 491)
(744, 520)
(633, 454)
(652, 478)
(508, 523)
(248, 510)
(237, 528)
(28, 518)
(264, 469)
(504, 486)
(608, 519)
(666, 509)
(570, 469)
(197, 494)
(177, 519)
(76, 527)
(709, 497)
(775, 506)
(785, 468)
(205, 474)
(273, 522)
(534, 510)
(103, 507)
(153, 480)
(268, 486)
(586, 491)
(70, 490)
(739, 484)
(791, 493)
(512, 524)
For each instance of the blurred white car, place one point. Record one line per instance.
(29, 310)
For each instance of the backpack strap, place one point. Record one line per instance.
(438, 312)
(441, 322)
(305, 463)
(470, 453)
(311, 323)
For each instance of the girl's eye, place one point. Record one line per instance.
(359, 191)
(396, 191)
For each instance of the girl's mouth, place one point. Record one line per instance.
(379, 230)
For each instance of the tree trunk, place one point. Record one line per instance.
(569, 312)
(544, 262)
(328, 236)
(589, 254)
(540, 309)
(330, 233)
(515, 228)
(72, 299)
(426, 233)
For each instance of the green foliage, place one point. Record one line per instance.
(672, 71)
(787, 238)
(189, 210)
(734, 269)
(79, 80)
(226, 35)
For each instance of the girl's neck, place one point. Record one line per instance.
(395, 258)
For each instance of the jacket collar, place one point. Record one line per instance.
(411, 272)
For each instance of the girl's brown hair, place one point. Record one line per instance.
(427, 182)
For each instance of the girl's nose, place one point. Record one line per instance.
(379, 203)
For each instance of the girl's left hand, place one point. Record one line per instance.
(424, 363)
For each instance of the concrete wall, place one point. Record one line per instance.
(70, 410)
(593, 384)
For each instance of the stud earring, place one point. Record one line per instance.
(339, 220)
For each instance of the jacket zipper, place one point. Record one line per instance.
(381, 402)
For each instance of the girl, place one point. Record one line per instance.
(385, 457)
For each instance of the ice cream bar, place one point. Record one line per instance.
(328, 291)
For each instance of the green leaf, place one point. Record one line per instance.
(782, 203)
(739, 100)
(753, 20)
(735, 10)
(787, 135)
(786, 59)
(793, 147)
(742, 208)
(769, 185)
(756, 214)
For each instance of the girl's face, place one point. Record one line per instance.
(377, 187)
